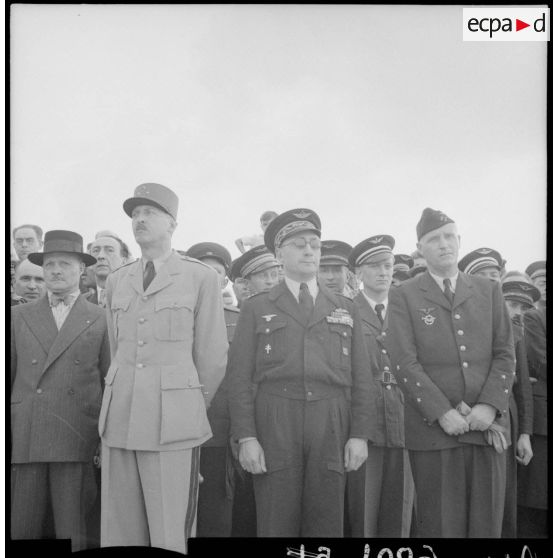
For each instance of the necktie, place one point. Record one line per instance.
(56, 300)
(148, 274)
(305, 301)
(379, 308)
(447, 290)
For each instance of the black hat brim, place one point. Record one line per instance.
(37, 257)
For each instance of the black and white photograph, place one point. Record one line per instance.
(278, 279)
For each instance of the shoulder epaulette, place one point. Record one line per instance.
(189, 259)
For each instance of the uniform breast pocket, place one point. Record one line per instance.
(271, 343)
(118, 308)
(174, 318)
(340, 336)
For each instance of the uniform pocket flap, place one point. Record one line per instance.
(173, 302)
(109, 378)
(176, 377)
(120, 303)
(341, 329)
(336, 466)
(270, 327)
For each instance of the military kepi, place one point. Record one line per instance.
(536, 269)
(478, 259)
(431, 219)
(289, 223)
(335, 252)
(368, 250)
(153, 194)
(254, 260)
(62, 241)
(520, 291)
(210, 250)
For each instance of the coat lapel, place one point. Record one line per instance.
(77, 321)
(40, 321)
(325, 303)
(285, 301)
(432, 291)
(163, 278)
(136, 276)
(367, 314)
(463, 289)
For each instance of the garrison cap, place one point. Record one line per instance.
(520, 291)
(403, 262)
(366, 250)
(254, 260)
(430, 220)
(291, 222)
(153, 194)
(62, 241)
(480, 258)
(210, 250)
(335, 252)
(536, 269)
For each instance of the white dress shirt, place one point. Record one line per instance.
(61, 310)
(373, 303)
(440, 281)
(294, 287)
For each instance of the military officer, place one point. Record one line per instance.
(257, 270)
(402, 265)
(215, 502)
(169, 350)
(379, 495)
(304, 348)
(482, 262)
(454, 359)
(334, 265)
(533, 479)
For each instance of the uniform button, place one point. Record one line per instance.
(144, 298)
(284, 389)
(140, 365)
(418, 384)
(39, 390)
(465, 365)
(504, 412)
(141, 343)
(504, 376)
(267, 330)
(310, 393)
(462, 348)
(459, 332)
(344, 334)
(383, 333)
(76, 361)
(405, 380)
(34, 361)
(457, 316)
(424, 419)
(397, 367)
(141, 320)
(386, 368)
(384, 352)
(388, 387)
(419, 399)
(506, 390)
(71, 391)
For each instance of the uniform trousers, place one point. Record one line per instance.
(302, 493)
(460, 492)
(149, 498)
(379, 495)
(66, 490)
(509, 524)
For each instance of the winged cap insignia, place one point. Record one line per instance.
(376, 240)
(524, 288)
(484, 251)
(327, 245)
(268, 317)
(302, 214)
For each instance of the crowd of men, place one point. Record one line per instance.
(348, 392)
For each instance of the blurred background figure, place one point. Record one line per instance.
(244, 243)
(419, 263)
(402, 264)
(334, 266)
(29, 282)
(27, 239)
(255, 271)
(482, 262)
(537, 273)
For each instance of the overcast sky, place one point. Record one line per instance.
(366, 114)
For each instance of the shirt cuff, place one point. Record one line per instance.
(242, 440)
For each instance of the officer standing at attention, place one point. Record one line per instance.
(334, 265)
(380, 494)
(169, 351)
(304, 348)
(454, 355)
(215, 500)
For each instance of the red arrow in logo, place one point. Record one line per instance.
(519, 25)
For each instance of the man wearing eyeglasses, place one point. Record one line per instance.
(303, 347)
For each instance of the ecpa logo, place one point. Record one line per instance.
(506, 24)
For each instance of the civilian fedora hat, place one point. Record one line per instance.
(62, 241)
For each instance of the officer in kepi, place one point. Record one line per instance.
(303, 346)
(169, 350)
(256, 270)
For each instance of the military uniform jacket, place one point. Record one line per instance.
(388, 422)
(57, 379)
(275, 348)
(169, 350)
(445, 354)
(535, 340)
(522, 390)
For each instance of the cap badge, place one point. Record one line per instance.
(327, 245)
(427, 316)
(524, 287)
(302, 214)
(484, 251)
(444, 218)
(376, 240)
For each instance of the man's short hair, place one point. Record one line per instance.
(267, 215)
(36, 228)
(124, 250)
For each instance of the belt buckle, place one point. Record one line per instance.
(388, 378)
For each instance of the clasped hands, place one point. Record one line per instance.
(479, 417)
